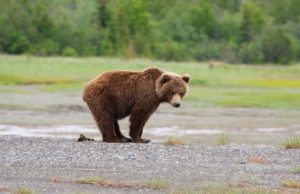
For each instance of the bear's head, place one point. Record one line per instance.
(171, 88)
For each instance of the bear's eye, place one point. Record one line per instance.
(173, 93)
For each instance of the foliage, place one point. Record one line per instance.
(15, 43)
(277, 47)
(248, 31)
(69, 51)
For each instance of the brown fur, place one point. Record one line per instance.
(115, 95)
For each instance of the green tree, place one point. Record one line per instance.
(253, 20)
(277, 46)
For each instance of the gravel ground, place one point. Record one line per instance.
(30, 162)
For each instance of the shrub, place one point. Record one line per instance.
(277, 47)
(69, 52)
(15, 43)
(47, 47)
(206, 49)
(250, 53)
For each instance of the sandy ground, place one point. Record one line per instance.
(33, 162)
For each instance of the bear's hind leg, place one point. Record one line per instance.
(107, 127)
(105, 120)
(119, 133)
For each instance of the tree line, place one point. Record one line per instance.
(236, 31)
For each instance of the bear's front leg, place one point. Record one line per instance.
(137, 122)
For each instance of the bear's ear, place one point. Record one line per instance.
(165, 78)
(186, 78)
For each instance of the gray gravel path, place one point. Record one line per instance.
(30, 162)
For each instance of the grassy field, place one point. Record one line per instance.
(264, 86)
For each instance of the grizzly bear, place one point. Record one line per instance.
(118, 94)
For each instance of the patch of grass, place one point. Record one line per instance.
(292, 143)
(295, 170)
(175, 141)
(223, 140)
(157, 184)
(104, 182)
(91, 180)
(291, 184)
(274, 83)
(61, 87)
(23, 191)
(29, 80)
(228, 189)
(258, 97)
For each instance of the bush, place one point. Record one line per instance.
(250, 53)
(205, 49)
(228, 52)
(171, 50)
(69, 52)
(45, 48)
(15, 43)
(277, 47)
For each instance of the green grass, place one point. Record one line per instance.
(294, 184)
(175, 141)
(227, 189)
(101, 181)
(91, 180)
(223, 140)
(262, 86)
(23, 191)
(292, 143)
(157, 184)
(295, 170)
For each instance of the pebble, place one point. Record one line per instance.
(34, 160)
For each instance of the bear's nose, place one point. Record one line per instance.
(177, 105)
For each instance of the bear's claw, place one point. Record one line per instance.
(141, 141)
(125, 140)
(145, 140)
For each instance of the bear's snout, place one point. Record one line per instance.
(176, 105)
(175, 101)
